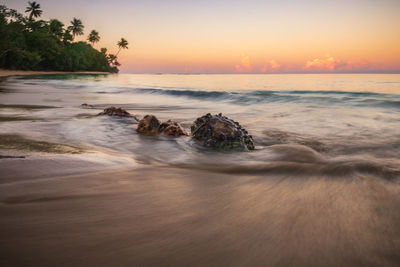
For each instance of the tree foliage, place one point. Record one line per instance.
(122, 44)
(34, 10)
(76, 27)
(29, 44)
(94, 37)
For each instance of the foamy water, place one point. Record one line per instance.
(333, 122)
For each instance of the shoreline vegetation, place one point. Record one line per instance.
(31, 44)
(6, 73)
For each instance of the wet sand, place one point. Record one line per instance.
(169, 217)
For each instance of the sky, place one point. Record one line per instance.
(237, 36)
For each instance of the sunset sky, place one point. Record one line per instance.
(241, 36)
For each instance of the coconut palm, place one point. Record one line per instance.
(111, 58)
(34, 9)
(76, 27)
(93, 37)
(67, 36)
(122, 44)
(56, 27)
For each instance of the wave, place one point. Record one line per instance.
(187, 93)
(299, 169)
(299, 161)
(261, 96)
(239, 97)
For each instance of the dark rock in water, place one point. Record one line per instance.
(119, 112)
(171, 128)
(148, 125)
(11, 157)
(220, 132)
(85, 105)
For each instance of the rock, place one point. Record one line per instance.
(171, 128)
(11, 157)
(220, 132)
(119, 112)
(85, 105)
(148, 125)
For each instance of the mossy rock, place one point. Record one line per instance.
(220, 132)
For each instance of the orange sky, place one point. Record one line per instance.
(250, 36)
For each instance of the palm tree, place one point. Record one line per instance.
(94, 37)
(111, 58)
(76, 27)
(122, 44)
(34, 9)
(103, 50)
(56, 28)
(67, 36)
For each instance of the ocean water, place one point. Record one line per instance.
(320, 189)
(339, 122)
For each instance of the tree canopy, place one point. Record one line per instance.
(94, 37)
(29, 43)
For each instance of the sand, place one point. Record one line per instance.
(173, 217)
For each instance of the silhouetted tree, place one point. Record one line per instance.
(67, 37)
(93, 37)
(34, 10)
(56, 28)
(76, 27)
(122, 44)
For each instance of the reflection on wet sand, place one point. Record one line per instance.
(15, 141)
(185, 217)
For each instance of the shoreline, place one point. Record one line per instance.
(7, 73)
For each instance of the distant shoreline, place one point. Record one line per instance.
(7, 73)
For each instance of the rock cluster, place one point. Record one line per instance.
(220, 132)
(213, 131)
(150, 125)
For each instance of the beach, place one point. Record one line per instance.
(181, 217)
(320, 189)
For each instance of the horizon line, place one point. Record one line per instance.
(253, 73)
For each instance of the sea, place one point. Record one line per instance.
(347, 121)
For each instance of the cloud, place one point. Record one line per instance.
(332, 64)
(321, 64)
(244, 66)
(271, 66)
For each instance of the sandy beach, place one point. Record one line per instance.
(170, 217)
